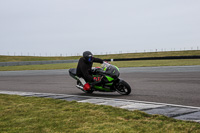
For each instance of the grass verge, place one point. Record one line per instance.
(139, 63)
(31, 114)
(110, 56)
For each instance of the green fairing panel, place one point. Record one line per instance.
(109, 78)
(101, 88)
(109, 84)
(117, 68)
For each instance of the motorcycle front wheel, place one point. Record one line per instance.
(123, 88)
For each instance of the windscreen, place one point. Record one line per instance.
(110, 70)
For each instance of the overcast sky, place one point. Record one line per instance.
(68, 27)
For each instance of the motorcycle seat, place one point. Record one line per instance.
(72, 71)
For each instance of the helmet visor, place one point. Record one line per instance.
(90, 58)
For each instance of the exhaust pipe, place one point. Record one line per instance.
(79, 87)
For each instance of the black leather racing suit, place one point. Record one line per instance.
(84, 68)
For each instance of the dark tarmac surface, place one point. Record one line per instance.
(173, 85)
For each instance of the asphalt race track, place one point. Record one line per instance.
(173, 85)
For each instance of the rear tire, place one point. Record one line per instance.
(123, 88)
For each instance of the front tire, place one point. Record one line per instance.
(123, 88)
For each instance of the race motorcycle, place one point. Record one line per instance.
(110, 81)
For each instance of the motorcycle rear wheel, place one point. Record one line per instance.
(123, 88)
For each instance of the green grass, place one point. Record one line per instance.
(155, 63)
(111, 56)
(33, 58)
(41, 115)
(152, 54)
(141, 63)
(138, 63)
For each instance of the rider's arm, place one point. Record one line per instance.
(98, 60)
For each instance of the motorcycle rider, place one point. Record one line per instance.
(85, 65)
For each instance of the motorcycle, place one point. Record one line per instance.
(110, 81)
